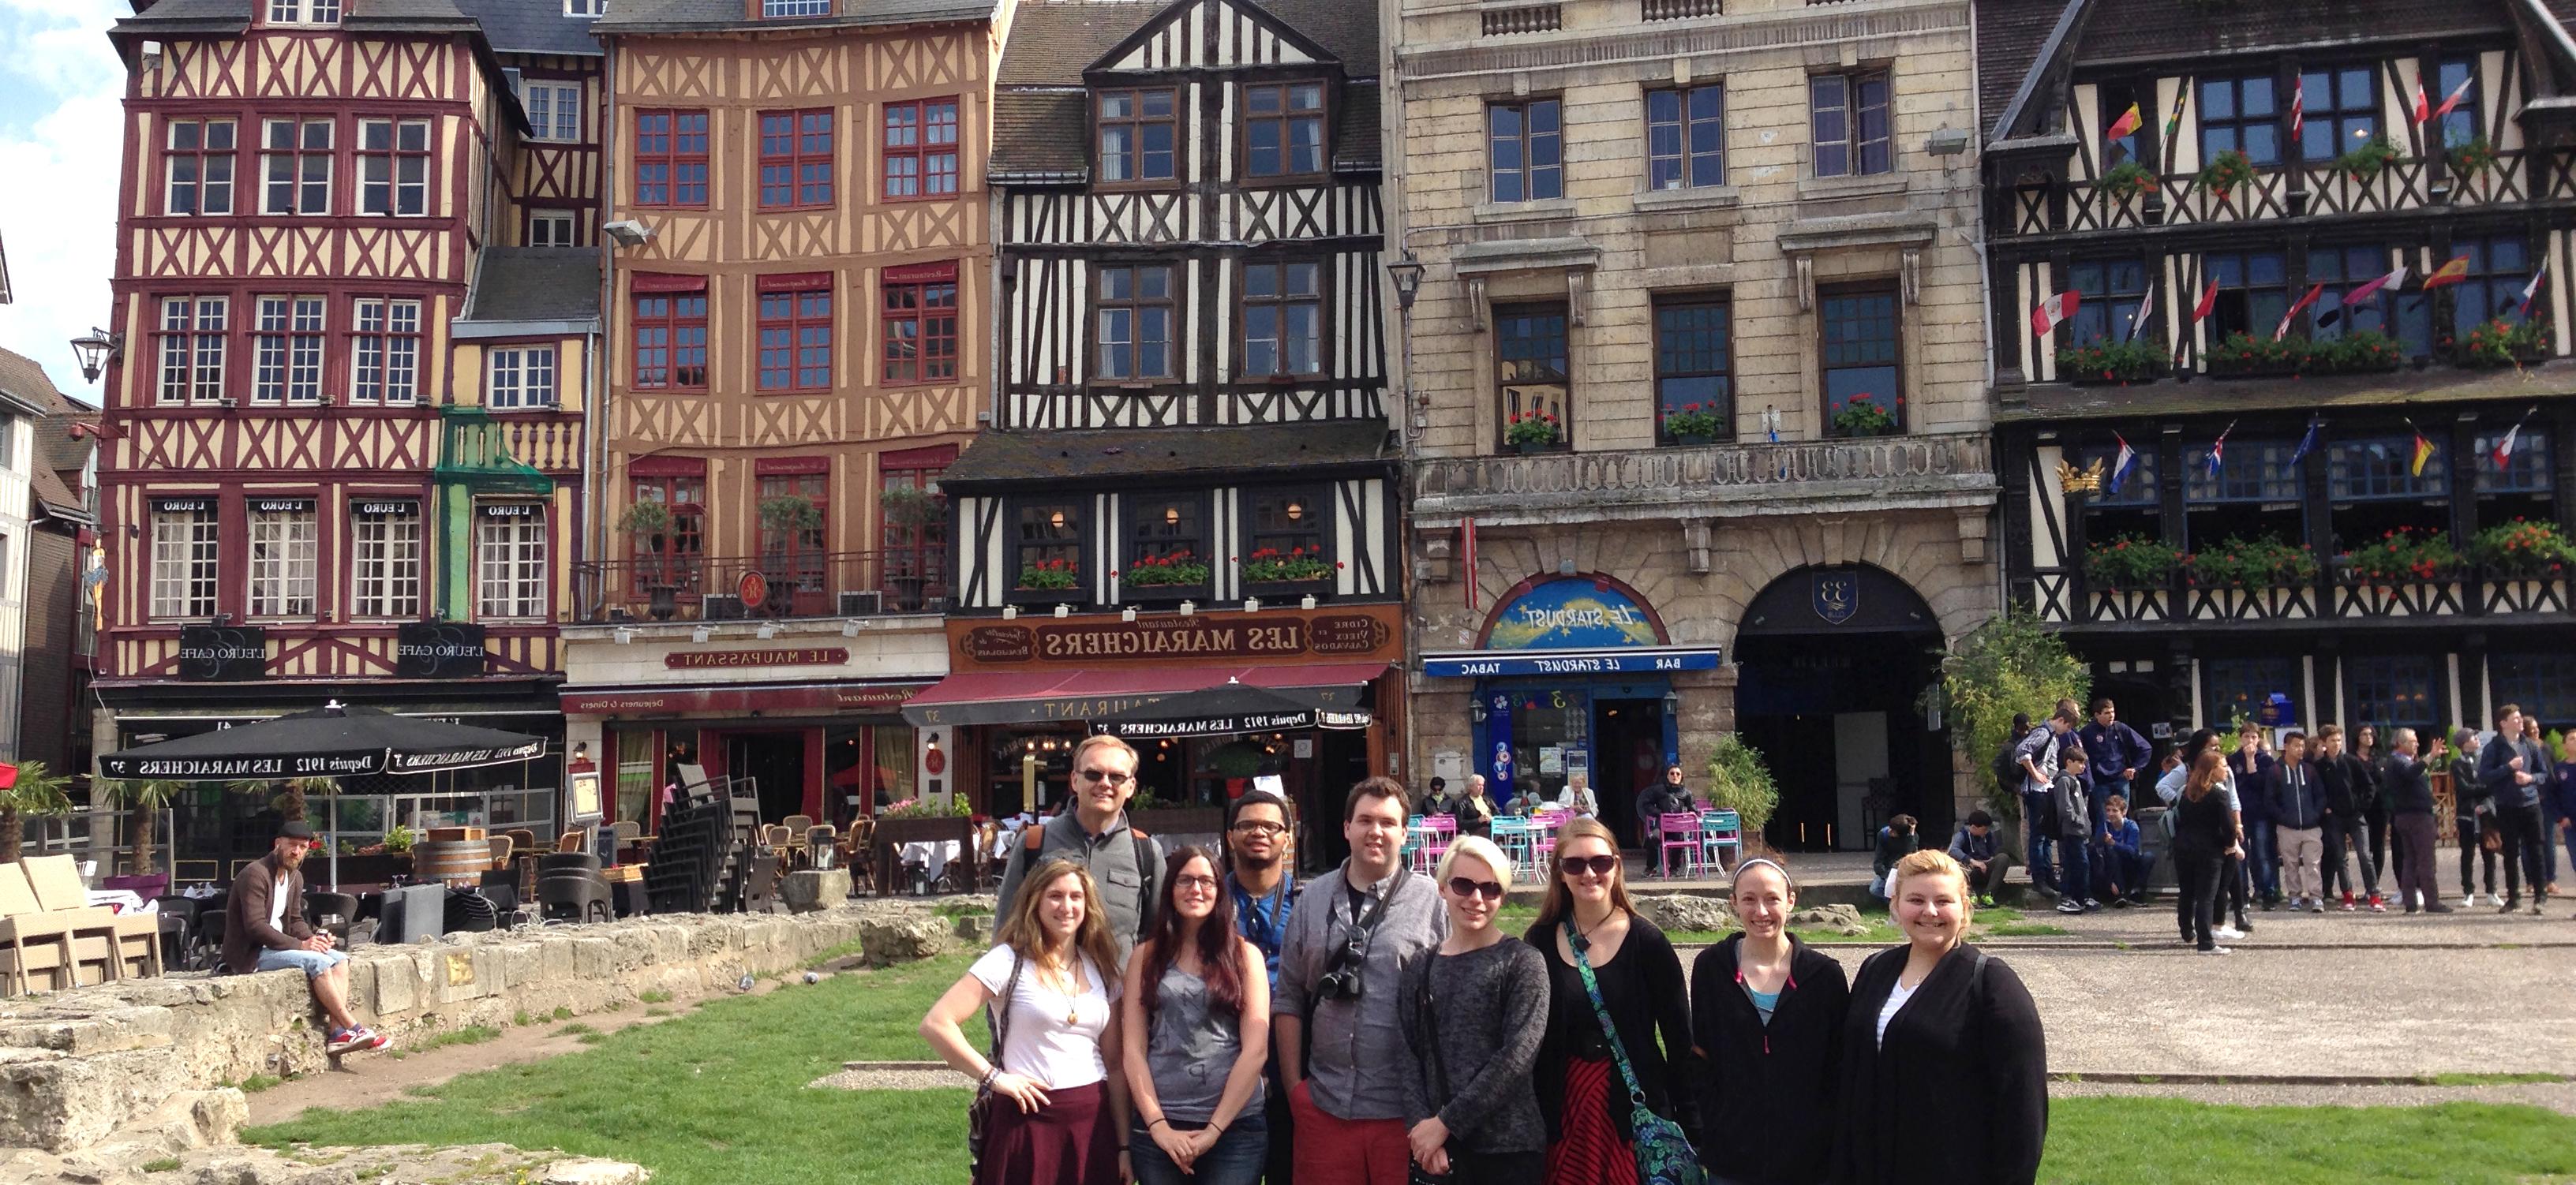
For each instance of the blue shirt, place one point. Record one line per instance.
(2125, 837)
(1263, 921)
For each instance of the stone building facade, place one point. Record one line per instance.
(1727, 261)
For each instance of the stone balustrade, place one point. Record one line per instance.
(1714, 481)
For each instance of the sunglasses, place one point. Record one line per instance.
(1112, 777)
(1596, 865)
(1464, 887)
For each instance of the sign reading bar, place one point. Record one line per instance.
(222, 653)
(439, 650)
(1168, 639)
(1479, 664)
(779, 656)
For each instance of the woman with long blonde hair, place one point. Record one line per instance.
(1056, 1112)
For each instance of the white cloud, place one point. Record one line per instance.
(61, 131)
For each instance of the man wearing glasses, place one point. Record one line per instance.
(1260, 874)
(1338, 977)
(1095, 834)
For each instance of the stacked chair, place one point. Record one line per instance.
(52, 939)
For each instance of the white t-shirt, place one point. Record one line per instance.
(1896, 998)
(1040, 1045)
(277, 904)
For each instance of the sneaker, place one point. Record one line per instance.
(2536, 909)
(355, 1040)
(2377, 905)
(2216, 950)
(2317, 905)
(2511, 904)
(2121, 903)
(1985, 901)
(2270, 904)
(2409, 909)
(2347, 902)
(2437, 907)
(2094, 905)
(2230, 933)
(2070, 905)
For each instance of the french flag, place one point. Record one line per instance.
(2121, 463)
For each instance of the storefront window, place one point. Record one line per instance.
(892, 756)
(1046, 753)
(1050, 546)
(1551, 734)
(1284, 520)
(636, 775)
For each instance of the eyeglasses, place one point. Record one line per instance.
(1596, 865)
(1261, 827)
(1111, 776)
(1204, 883)
(1463, 887)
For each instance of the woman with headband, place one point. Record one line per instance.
(1767, 1017)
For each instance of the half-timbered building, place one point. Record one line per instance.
(1189, 404)
(309, 491)
(552, 61)
(798, 275)
(2307, 432)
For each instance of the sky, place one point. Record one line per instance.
(60, 126)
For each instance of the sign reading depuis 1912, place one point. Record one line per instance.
(439, 650)
(222, 653)
(1216, 635)
(779, 656)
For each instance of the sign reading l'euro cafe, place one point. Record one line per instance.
(1211, 637)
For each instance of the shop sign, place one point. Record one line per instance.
(777, 656)
(1571, 614)
(1204, 726)
(1661, 660)
(868, 696)
(439, 650)
(1175, 638)
(222, 653)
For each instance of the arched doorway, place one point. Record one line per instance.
(1833, 660)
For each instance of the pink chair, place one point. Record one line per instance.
(1543, 838)
(1681, 832)
(1443, 832)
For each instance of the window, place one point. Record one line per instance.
(780, 8)
(1525, 149)
(671, 337)
(192, 348)
(2233, 687)
(2499, 269)
(1137, 131)
(287, 366)
(2461, 125)
(510, 561)
(920, 151)
(2139, 491)
(1531, 365)
(1686, 138)
(393, 167)
(2340, 111)
(796, 332)
(197, 168)
(386, 362)
(912, 524)
(2393, 692)
(298, 166)
(670, 158)
(2405, 317)
(919, 323)
(385, 569)
(1286, 521)
(2117, 98)
(2527, 471)
(2114, 290)
(284, 557)
(795, 159)
(1691, 356)
(550, 228)
(2542, 684)
(1166, 528)
(1861, 358)
(674, 554)
(2253, 293)
(554, 110)
(1849, 112)
(1050, 539)
(183, 558)
(2240, 115)
(2383, 469)
(1133, 326)
(586, 8)
(1283, 314)
(1283, 129)
(522, 376)
(304, 12)
(2249, 471)
(792, 551)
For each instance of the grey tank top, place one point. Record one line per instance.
(1190, 1051)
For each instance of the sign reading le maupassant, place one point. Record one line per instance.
(782, 656)
(439, 650)
(222, 653)
(1206, 636)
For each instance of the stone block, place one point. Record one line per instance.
(396, 988)
(593, 958)
(593, 1172)
(809, 890)
(521, 963)
(887, 941)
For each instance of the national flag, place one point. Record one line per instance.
(2127, 123)
(2307, 444)
(2218, 452)
(2146, 307)
(2121, 463)
(2422, 111)
(1467, 550)
(2531, 291)
(2298, 106)
(2358, 296)
(2208, 301)
(2054, 311)
(2449, 273)
(2423, 453)
(2503, 453)
(2173, 122)
(2457, 93)
(8, 776)
(2302, 306)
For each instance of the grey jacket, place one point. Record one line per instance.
(1358, 1063)
(2067, 794)
(1128, 890)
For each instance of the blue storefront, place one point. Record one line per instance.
(1573, 675)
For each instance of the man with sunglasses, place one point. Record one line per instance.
(1260, 874)
(1338, 984)
(1095, 835)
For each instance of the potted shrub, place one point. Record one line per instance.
(1178, 570)
(2367, 160)
(1862, 416)
(2522, 550)
(2126, 180)
(2131, 561)
(785, 519)
(645, 522)
(2401, 556)
(2359, 351)
(1533, 431)
(1693, 424)
(1296, 572)
(2500, 343)
(2226, 173)
(2240, 563)
(2111, 362)
(2473, 158)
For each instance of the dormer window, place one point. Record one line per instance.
(304, 12)
(586, 8)
(1283, 129)
(1137, 133)
(770, 9)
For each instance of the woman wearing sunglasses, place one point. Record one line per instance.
(1580, 1091)
(1472, 1009)
(1767, 1013)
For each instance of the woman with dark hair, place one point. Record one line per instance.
(1586, 916)
(1057, 1105)
(1197, 1035)
(2203, 836)
(1766, 1016)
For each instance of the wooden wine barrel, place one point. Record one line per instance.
(459, 862)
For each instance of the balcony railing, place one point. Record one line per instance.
(2468, 592)
(729, 588)
(1673, 10)
(2301, 188)
(1889, 469)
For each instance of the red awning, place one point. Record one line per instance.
(1078, 694)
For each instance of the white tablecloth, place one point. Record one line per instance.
(935, 854)
(121, 900)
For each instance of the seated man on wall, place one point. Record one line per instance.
(265, 930)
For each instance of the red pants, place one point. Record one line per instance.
(1346, 1151)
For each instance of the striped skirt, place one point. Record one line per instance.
(1589, 1150)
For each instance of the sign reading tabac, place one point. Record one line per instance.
(1359, 632)
(779, 656)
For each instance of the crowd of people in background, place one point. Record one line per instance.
(1212, 1021)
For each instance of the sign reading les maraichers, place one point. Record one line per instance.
(780, 656)
(222, 653)
(1207, 636)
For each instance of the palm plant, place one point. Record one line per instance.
(35, 791)
(147, 798)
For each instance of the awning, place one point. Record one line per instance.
(1088, 693)
(1605, 660)
(1232, 709)
(331, 741)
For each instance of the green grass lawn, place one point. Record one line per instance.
(2145, 1141)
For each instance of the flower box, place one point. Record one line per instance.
(1289, 591)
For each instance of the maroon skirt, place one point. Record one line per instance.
(1067, 1142)
(1588, 1149)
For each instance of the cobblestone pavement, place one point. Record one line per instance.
(2557, 1096)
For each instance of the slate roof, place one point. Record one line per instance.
(25, 384)
(2009, 36)
(59, 455)
(404, 16)
(681, 16)
(1018, 457)
(60, 451)
(536, 284)
(532, 27)
(186, 16)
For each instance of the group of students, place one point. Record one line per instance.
(1376, 1026)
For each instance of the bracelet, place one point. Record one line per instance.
(1149, 1124)
(990, 1073)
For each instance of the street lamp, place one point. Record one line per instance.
(95, 349)
(1407, 274)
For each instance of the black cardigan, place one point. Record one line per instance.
(1958, 1093)
(1642, 986)
(1765, 1094)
